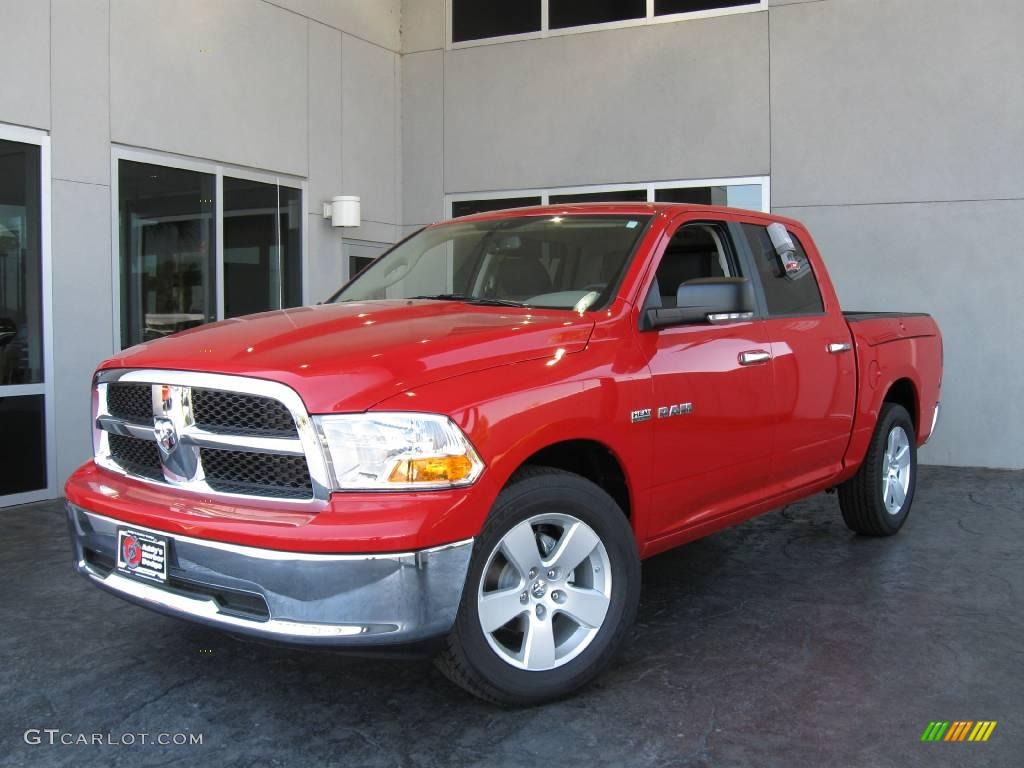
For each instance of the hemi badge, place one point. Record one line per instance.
(644, 414)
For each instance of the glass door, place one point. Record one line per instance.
(26, 469)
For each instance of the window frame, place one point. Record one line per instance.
(218, 171)
(41, 139)
(545, 30)
(650, 186)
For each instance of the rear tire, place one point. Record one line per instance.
(877, 500)
(557, 559)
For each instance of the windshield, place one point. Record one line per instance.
(563, 262)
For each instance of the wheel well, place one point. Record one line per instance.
(902, 392)
(588, 459)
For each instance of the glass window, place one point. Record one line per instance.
(477, 19)
(696, 251)
(541, 261)
(23, 461)
(574, 13)
(469, 207)
(262, 247)
(747, 196)
(21, 306)
(167, 250)
(664, 7)
(789, 289)
(624, 196)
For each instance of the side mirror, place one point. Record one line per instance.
(706, 300)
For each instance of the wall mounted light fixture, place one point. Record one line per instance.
(343, 211)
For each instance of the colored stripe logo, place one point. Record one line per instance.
(959, 730)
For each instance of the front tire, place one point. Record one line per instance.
(877, 500)
(553, 586)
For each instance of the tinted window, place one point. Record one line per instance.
(262, 247)
(21, 274)
(696, 251)
(735, 196)
(792, 291)
(469, 207)
(167, 250)
(573, 13)
(476, 19)
(628, 196)
(663, 7)
(538, 261)
(23, 461)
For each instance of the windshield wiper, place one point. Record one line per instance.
(477, 300)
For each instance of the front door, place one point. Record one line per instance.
(25, 469)
(712, 392)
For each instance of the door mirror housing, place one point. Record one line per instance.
(706, 300)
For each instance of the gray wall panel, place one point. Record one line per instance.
(376, 21)
(324, 116)
(224, 80)
(880, 101)
(82, 314)
(422, 136)
(370, 131)
(325, 260)
(960, 262)
(666, 101)
(81, 90)
(422, 25)
(25, 63)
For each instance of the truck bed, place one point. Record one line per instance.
(856, 317)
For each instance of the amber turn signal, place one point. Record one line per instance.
(439, 469)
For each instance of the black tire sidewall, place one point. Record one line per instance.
(573, 495)
(894, 416)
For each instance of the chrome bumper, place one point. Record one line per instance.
(307, 599)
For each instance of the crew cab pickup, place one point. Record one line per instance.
(472, 445)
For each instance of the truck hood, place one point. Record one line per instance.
(348, 357)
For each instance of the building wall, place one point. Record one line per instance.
(308, 88)
(893, 129)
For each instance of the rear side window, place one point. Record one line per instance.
(792, 291)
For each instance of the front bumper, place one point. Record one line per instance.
(356, 601)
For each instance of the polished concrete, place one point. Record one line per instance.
(786, 641)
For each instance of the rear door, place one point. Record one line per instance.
(711, 410)
(813, 362)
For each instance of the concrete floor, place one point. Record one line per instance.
(784, 642)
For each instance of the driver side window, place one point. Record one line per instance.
(696, 251)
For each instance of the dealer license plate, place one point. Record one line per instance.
(141, 554)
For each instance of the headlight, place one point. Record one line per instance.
(396, 451)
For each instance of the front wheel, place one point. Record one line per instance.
(553, 586)
(876, 501)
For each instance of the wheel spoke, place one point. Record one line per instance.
(520, 548)
(576, 544)
(499, 608)
(586, 607)
(539, 644)
(898, 495)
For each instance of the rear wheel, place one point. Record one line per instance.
(553, 586)
(877, 500)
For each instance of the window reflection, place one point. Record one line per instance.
(167, 250)
(21, 318)
(262, 247)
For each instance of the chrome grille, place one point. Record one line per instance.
(240, 414)
(259, 474)
(131, 402)
(136, 456)
(209, 433)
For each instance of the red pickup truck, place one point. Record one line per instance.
(473, 444)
